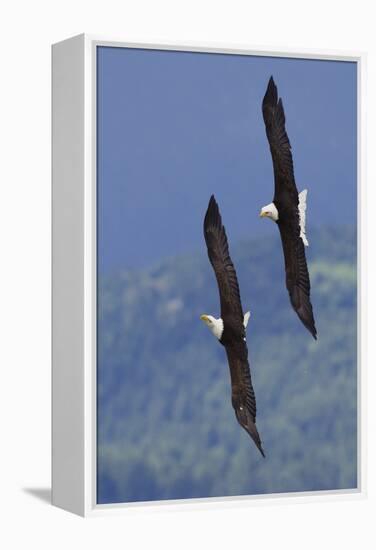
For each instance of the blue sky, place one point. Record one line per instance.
(175, 127)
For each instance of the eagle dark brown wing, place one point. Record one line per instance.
(219, 256)
(243, 395)
(233, 336)
(280, 148)
(286, 200)
(297, 276)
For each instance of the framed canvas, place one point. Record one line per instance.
(156, 149)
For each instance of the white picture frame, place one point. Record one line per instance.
(74, 276)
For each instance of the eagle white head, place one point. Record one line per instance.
(216, 325)
(269, 211)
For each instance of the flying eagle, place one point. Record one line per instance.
(230, 327)
(288, 208)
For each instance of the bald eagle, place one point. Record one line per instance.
(288, 209)
(229, 329)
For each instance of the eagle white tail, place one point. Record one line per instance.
(302, 215)
(246, 318)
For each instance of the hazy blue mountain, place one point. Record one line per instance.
(166, 427)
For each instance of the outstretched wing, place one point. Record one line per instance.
(297, 276)
(280, 148)
(286, 199)
(219, 256)
(243, 395)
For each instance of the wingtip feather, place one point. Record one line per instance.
(258, 443)
(310, 325)
(212, 216)
(271, 94)
(271, 83)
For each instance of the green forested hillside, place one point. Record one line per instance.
(166, 427)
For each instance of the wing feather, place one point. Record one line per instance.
(233, 338)
(243, 395)
(297, 276)
(219, 256)
(286, 199)
(280, 148)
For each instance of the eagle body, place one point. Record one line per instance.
(233, 335)
(230, 328)
(290, 208)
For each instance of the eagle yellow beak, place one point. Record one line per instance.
(262, 214)
(204, 317)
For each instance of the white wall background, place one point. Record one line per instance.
(27, 30)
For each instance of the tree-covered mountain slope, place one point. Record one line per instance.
(166, 427)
